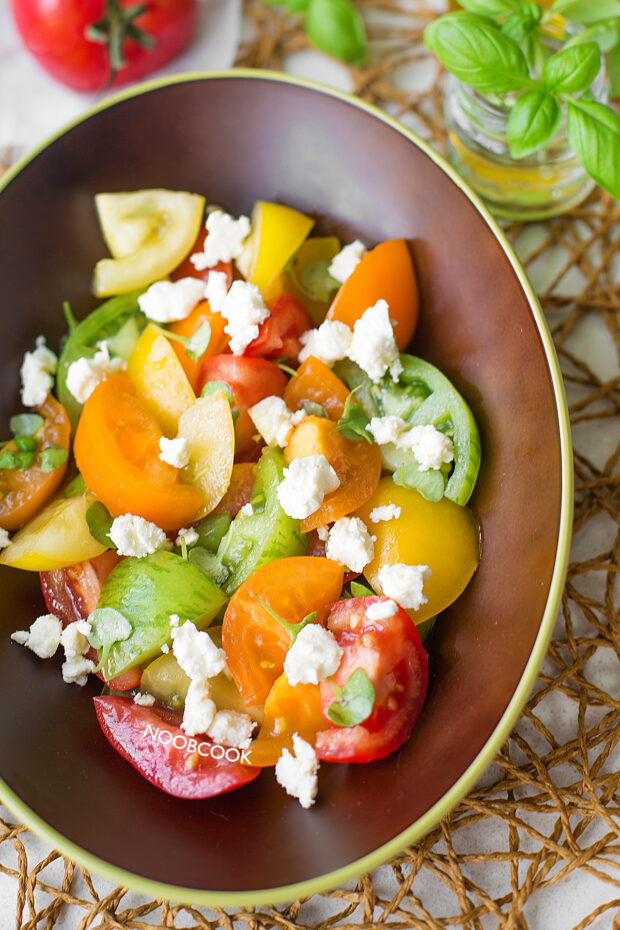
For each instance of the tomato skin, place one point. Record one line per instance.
(184, 770)
(53, 31)
(392, 655)
(278, 335)
(250, 380)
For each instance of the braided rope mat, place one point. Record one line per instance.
(547, 809)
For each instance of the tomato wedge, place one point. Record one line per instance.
(392, 655)
(117, 451)
(254, 642)
(386, 272)
(217, 343)
(288, 709)
(317, 383)
(152, 740)
(278, 336)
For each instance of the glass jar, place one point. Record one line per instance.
(544, 184)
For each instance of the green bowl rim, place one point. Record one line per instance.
(484, 758)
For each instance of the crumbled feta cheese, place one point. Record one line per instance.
(387, 429)
(144, 700)
(224, 241)
(174, 619)
(323, 532)
(431, 448)
(385, 513)
(196, 652)
(329, 343)
(189, 534)
(306, 482)
(5, 539)
(37, 374)
(298, 774)
(75, 671)
(74, 639)
(381, 610)
(273, 420)
(350, 543)
(216, 290)
(244, 311)
(200, 710)
(168, 301)
(165, 648)
(314, 655)
(133, 535)
(404, 583)
(347, 259)
(175, 452)
(247, 510)
(43, 637)
(373, 346)
(85, 374)
(230, 728)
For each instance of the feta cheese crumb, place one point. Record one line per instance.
(385, 513)
(373, 346)
(174, 619)
(404, 583)
(298, 774)
(306, 482)
(247, 510)
(216, 290)
(144, 700)
(387, 429)
(189, 534)
(381, 610)
(37, 374)
(244, 310)
(224, 241)
(314, 656)
(350, 543)
(196, 652)
(5, 539)
(200, 710)
(133, 535)
(344, 263)
(74, 639)
(165, 648)
(85, 374)
(323, 532)
(230, 728)
(43, 637)
(273, 420)
(431, 448)
(175, 452)
(168, 301)
(329, 343)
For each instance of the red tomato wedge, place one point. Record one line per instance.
(392, 655)
(278, 336)
(384, 273)
(153, 742)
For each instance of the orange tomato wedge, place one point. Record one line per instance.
(316, 382)
(217, 343)
(386, 272)
(288, 709)
(357, 464)
(116, 449)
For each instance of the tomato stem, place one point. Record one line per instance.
(115, 26)
(293, 629)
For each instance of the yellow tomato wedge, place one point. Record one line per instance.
(307, 278)
(277, 233)
(159, 380)
(439, 534)
(56, 537)
(208, 424)
(148, 232)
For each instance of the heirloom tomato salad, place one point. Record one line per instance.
(246, 501)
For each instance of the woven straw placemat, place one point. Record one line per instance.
(547, 810)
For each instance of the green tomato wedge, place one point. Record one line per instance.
(146, 592)
(422, 396)
(148, 232)
(268, 534)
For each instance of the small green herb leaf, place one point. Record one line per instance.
(490, 7)
(573, 69)
(587, 11)
(594, 136)
(360, 590)
(76, 486)
(212, 386)
(354, 702)
(317, 281)
(25, 443)
(293, 629)
(197, 343)
(9, 458)
(108, 626)
(25, 424)
(337, 27)
(354, 421)
(519, 24)
(68, 312)
(315, 410)
(99, 521)
(52, 457)
(477, 53)
(613, 72)
(533, 121)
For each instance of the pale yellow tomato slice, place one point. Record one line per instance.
(439, 534)
(148, 232)
(277, 233)
(208, 424)
(159, 379)
(56, 537)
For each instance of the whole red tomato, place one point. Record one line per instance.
(91, 44)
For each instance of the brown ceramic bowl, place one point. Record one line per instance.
(239, 137)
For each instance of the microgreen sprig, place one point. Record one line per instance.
(293, 629)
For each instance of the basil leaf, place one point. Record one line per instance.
(360, 590)
(76, 486)
(354, 421)
(108, 626)
(9, 458)
(594, 136)
(587, 11)
(25, 424)
(490, 7)
(25, 443)
(533, 121)
(606, 34)
(197, 343)
(613, 72)
(52, 457)
(477, 53)
(315, 410)
(572, 69)
(354, 702)
(337, 27)
(99, 521)
(519, 25)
